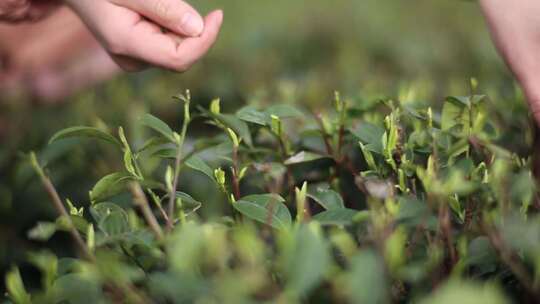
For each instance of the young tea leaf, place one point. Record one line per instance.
(88, 132)
(109, 186)
(159, 126)
(42, 231)
(15, 287)
(304, 157)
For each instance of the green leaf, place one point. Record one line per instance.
(15, 287)
(413, 212)
(340, 217)
(42, 231)
(370, 135)
(327, 198)
(196, 163)
(464, 292)
(152, 143)
(238, 126)
(115, 223)
(83, 131)
(101, 210)
(128, 162)
(366, 282)
(159, 126)
(189, 204)
(47, 263)
(306, 259)
(66, 223)
(455, 113)
(110, 185)
(111, 218)
(77, 289)
(165, 152)
(232, 122)
(482, 255)
(250, 114)
(303, 157)
(284, 111)
(265, 208)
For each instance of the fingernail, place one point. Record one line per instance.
(191, 24)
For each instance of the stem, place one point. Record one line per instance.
(59, 206)
(155, 198)
(177, 163)
(135, 295)
(142, 203)
(236, 182)
(340, 141)
(284, 157)
(326, 137)
(446, 231)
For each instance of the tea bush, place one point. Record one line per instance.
(371, 201)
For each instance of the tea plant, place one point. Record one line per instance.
(373, 202)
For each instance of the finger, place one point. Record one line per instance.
(534, 106)
(166, 51)
(175, 15)
(531, 89)
(129, 64)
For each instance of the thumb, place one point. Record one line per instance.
(175, 15)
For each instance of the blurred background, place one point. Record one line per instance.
(269, 52)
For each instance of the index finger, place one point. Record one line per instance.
(165, 50)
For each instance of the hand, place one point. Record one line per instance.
(52, 59)
(515, 27)
(165, 33)
(15, 11)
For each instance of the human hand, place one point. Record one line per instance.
(515, 27)
(15, 11)
(52, 59)
(165, 33)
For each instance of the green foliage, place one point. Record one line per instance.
(391, 204)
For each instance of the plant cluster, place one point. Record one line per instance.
(371, 202)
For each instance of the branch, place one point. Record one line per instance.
(142, 203)
(60, 208)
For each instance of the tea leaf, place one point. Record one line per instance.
(370, 135)
(88, 132)
(265, 208)
(42, 231)
(250, 114)
(466, 293)
(196, 163)
(284, 111)
(233, 122)
(304, 157)
(189, 204)
(367, 271)
(159, 126)
(15, 287)
(76, 288)
(341, 217)
(327, 198)
(306, 259)
(110, 185)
